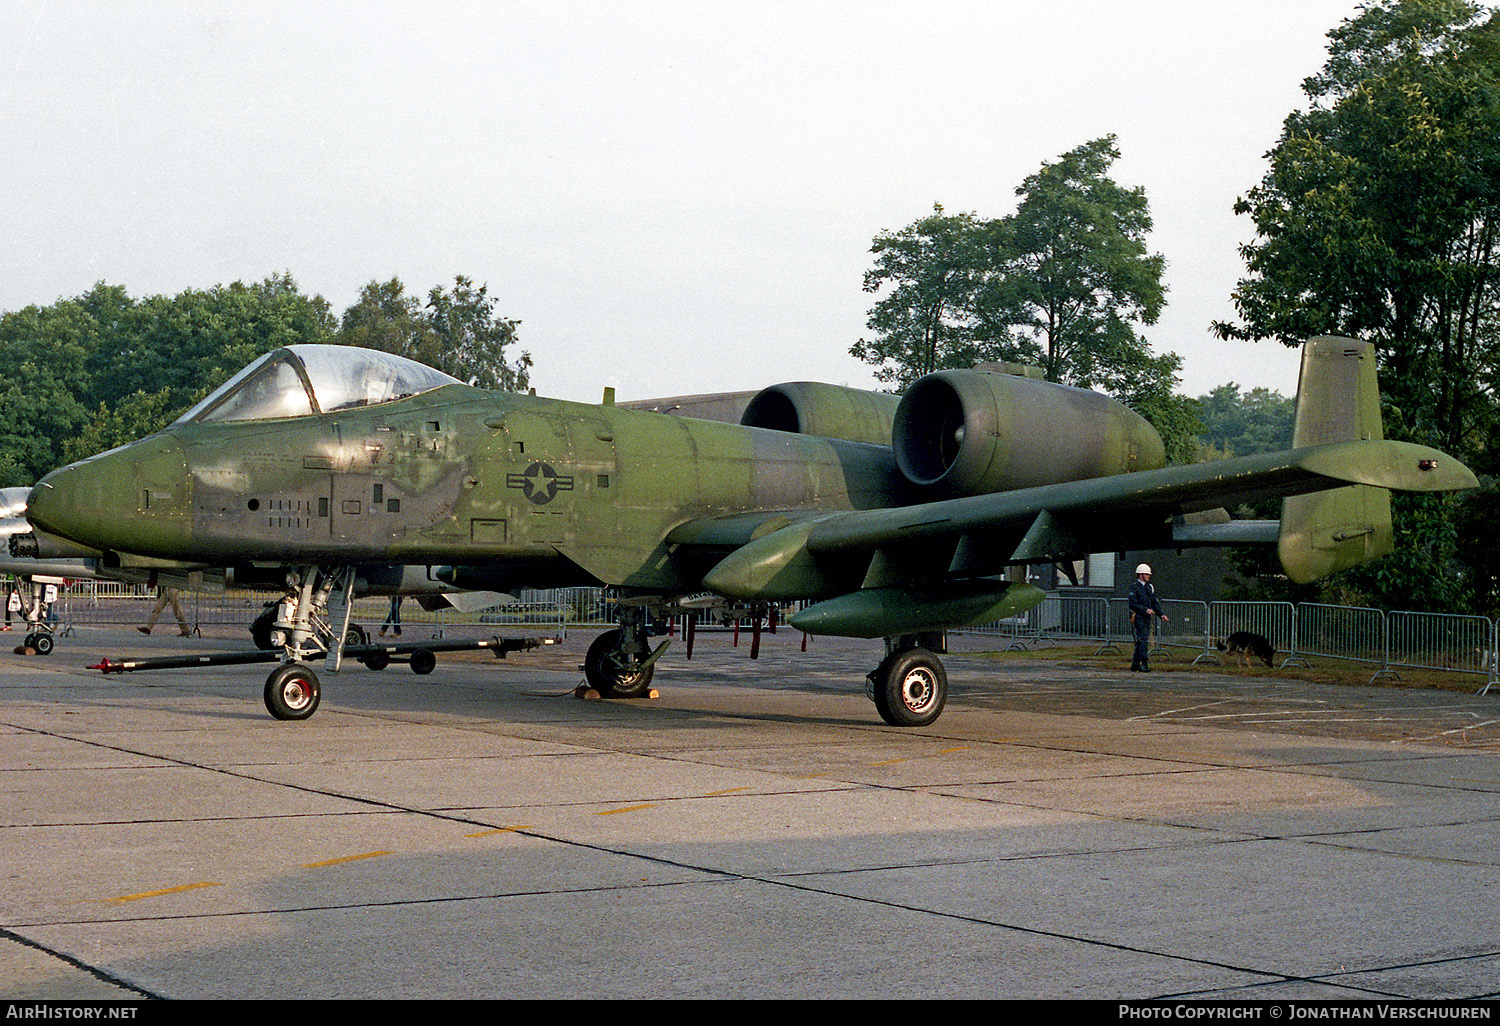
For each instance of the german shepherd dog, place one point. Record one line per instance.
(1244, 644)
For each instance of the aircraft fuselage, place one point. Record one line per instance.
(557, 492)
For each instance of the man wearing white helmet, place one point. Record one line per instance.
(1143, 606)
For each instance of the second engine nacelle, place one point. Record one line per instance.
(971, 432)
(831, 411)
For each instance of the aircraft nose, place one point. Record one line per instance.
(130, 499)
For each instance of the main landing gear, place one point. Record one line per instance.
(620, 663)
(910, 686)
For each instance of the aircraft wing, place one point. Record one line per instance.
(978, 535)
(1160, 493)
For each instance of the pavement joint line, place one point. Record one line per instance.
(94, 971)
(1332, 977)
(1275, 976)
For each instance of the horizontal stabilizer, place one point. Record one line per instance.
(1402, 466)
(1235, 532)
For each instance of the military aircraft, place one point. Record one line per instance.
(892, 517)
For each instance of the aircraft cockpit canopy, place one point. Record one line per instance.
(301, 380)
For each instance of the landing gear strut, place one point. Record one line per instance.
(910, 686)
(292, 691)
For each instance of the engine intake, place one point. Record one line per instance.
(970, 432)
(830, 411)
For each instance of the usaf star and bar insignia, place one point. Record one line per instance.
(540, 483)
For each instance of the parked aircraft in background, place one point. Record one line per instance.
(892, 517)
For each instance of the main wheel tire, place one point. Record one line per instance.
(355, 636)
(911, 688)
(605, 671)
(42, 643)
(260, 627)
(292, 692)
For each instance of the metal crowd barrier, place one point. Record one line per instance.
(1441, 641)
(1400, 639)
(1072, 618)
(1348, 633)
(1274, 621)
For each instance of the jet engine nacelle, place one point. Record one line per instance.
(829, 411)
(972, 432)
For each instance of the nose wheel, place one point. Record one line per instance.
(292, 692)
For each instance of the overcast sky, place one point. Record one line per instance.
(672, 197)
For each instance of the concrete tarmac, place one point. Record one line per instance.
(755, 832)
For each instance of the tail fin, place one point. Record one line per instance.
(1338, 400)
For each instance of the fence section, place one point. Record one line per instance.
(1387, 641)
(1436, 641)
(1350, 633)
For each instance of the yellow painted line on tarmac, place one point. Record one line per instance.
(727, 790)
(500, 830)
(346, 858)
(940, 751)
(164, 890)
(628, 808)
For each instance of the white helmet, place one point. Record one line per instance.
(1143, 569)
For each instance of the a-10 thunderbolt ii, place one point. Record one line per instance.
(890, 517)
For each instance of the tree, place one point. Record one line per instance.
(1071, 273)
(1244, 424)
(1377, 218)
(457, 331)
(934, 269)
(1379, 213)
(101, 369)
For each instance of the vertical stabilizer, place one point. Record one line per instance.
(1338, 400)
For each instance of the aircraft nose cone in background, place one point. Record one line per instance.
(131, 499)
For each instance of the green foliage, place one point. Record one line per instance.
(1378, 219)
(90, 373)
(1379, 214)
(1423, 572)
(1059, 283)
(133, 416)
(926, 322)
(1071, 273)
(457, 331)
(1244, 424)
